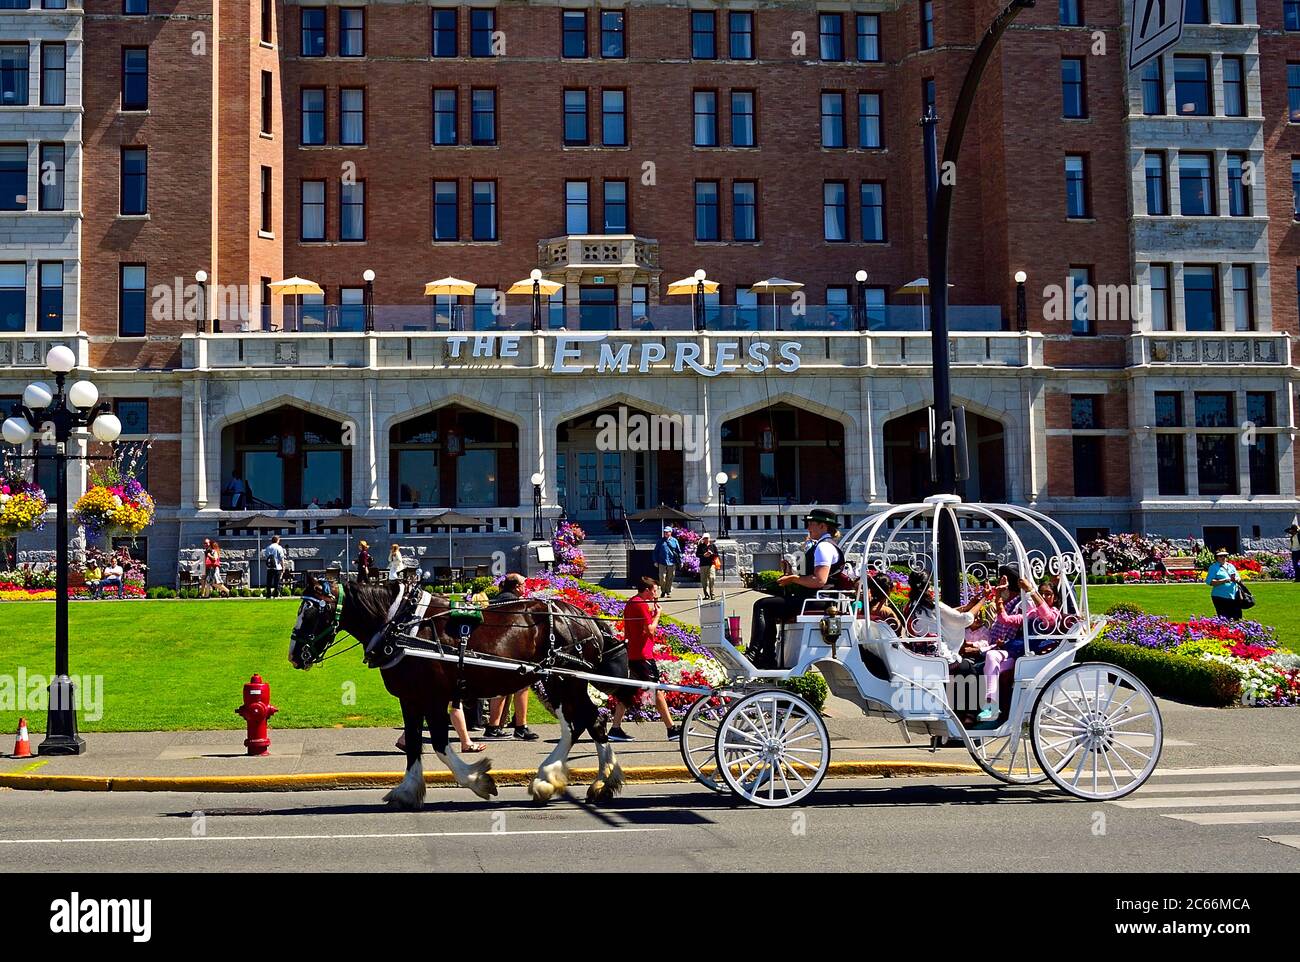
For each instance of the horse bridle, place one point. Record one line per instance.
(328, 633)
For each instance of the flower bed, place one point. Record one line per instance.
(9, 591)
(1207, 660)
(569, 559)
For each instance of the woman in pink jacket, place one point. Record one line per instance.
(1007, 636)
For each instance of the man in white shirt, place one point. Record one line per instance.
(823, 561)
(114, 576)
(274, 556)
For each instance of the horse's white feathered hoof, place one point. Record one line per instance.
(480, 780)
(409, 794)
(598, 792)
(614, 779)
(541, 790)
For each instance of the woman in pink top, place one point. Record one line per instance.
(1008, 637)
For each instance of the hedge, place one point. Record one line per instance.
(1170, 676)
(765, 582)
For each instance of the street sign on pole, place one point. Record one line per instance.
(1156, 26)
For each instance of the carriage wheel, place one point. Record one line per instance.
(773, 748)
(1097, 731)
(1008, 758)
(699, 741)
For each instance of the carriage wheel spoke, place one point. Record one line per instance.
(1132, 718)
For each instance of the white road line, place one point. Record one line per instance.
(1212, 787)
(298, 838)
(1227, 770)
(1292, 841)
(1207, 802)
(1235, 818)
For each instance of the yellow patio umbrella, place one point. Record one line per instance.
(775, 286)
(292, 286)
(450, 287)
(919, 286)
(697, 284)
(536, 285)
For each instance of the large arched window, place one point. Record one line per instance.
(286, 458)
(784, 455)
(907, 459)
(454, 457)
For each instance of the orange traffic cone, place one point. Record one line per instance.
(23, 745)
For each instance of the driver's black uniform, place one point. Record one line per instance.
(770, 612)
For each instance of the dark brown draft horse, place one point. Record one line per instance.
(520, 630)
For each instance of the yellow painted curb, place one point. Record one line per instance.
(322, 781)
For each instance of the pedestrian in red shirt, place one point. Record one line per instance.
(640, 624)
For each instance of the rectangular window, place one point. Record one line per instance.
(705, 109)
(313, 116)
(484, 317)
(1196, 11)
(744, 211)
(869, 127)
(13, 176)
(1076, 186)
(1171, 465)
(1295, 186)
(268, 20)
(265, 196)
(313, 210)
(1214, 410)
(1169, 409)
(743, 130)
(1089, 474)
(446, 210)
(613, 118)
(615, 207)
(575, 118)
(1292, 91)
(1196, 188)
(352, 210)
(613, 34)
(1153, 88)
(704, 38)
(830, 36)
(266, 103)
(1074, 99)
(1239, 193)
(352, 115)
(13, 299)
(1230, 11)
(131, 300)
(135, 78)
(1161, 316)
(134, 415)
(482, 25)
(444, 31)
(573, 29)
(872, 198)
(1291, 14)
(1192, 86)
(484, 200)
(52, 177)
(740, 35)
(1234, 87)
(49, 296)
(54, 70)
(868, 37)
(1071, 13)
(832, 112)
(1201, 299)
(1243, 297)
(707, 227)
(1080, 302)
(927, 24)
(444, 116)
(576, 207)
(352, 308)
(135, 7)
(1216, 463)
(135, 180)
(835, 211)
(13, 74)
(312, 22)
(352, 32)
(483, 117)
(1157, 184)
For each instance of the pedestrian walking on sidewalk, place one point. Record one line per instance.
(710, 562)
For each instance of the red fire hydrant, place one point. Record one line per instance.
(257, 711)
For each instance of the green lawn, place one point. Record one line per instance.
(1278, 603)
(182, 664)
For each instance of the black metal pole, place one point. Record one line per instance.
(1022, 308)
(537, 512)
(722, 510)
(939, 195)
(699, 306)
(862, 306)
(370, 307)
(537, 305)
(203, 308)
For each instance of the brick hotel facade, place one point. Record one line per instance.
(619, 147)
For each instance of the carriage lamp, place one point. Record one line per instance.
(201, 322)
(722, 479)
(369, 310)
(1022, 309)
(537, 480)
(57, 414)
(861, 278)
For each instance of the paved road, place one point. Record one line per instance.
(1228, 818)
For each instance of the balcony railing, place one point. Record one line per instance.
(1234, 348)
(517, 316)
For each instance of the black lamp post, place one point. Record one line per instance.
(939, 196)
(368, 320)
(537, 480)
(723, 520)
(861, 311)
(1022, 309)
(536, 277)
(201, 324)
(699, 299)
(64, 410)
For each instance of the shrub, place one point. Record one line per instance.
(481, 584)
(811, 687)
(1124, 608)
(1170, 676)
(765, 582)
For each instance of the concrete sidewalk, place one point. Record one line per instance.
(1194, 738)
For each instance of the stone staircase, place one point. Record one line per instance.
(606, 559)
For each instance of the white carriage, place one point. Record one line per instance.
(1092, 729)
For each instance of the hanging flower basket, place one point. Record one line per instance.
(22, 507)
(123, 507)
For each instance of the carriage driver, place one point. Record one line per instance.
(823, 560)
